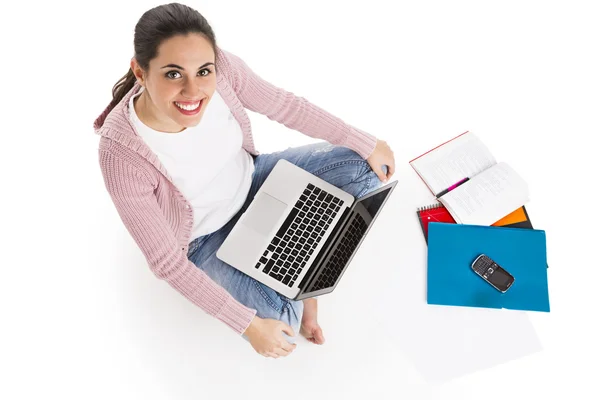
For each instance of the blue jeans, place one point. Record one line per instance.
(337, 165)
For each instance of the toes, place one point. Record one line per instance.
(319, 338)
(313, 335)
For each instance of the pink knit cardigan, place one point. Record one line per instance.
(154, 211)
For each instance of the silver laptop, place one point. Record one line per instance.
(300, 232)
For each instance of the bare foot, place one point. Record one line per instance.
(310, 328)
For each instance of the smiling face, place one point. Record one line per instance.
(178, 85)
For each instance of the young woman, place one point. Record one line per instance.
(179, 162)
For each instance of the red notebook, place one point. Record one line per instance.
(433, 213)
(438, 213)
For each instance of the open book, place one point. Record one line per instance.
(467, 180)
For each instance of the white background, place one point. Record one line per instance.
(84, 318)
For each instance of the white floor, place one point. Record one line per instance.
(83, 317)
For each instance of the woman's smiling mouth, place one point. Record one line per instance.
(189, 108)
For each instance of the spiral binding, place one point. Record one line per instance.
(430, 207)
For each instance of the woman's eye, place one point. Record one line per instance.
(202, 72)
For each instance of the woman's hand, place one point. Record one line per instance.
(266, 338)
(382, 155)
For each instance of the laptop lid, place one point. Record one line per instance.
(340, 247)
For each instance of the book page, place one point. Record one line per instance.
(463, 157)
(487, 198)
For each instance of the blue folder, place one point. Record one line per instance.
(452, 249)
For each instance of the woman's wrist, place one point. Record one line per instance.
(252, 326)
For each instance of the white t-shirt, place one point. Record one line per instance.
(206, 162)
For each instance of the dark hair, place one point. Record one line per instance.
(155, 26)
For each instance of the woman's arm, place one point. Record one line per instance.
(293, 111)
(133, 196)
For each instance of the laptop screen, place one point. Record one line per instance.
(373, 203)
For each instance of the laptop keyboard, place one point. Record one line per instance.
(299, 235)
(342, 254)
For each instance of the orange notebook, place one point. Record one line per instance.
(438, 213)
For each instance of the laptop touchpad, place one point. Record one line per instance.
(264, 213)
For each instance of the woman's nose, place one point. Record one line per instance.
(192, 90)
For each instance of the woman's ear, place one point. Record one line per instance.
(138, 72)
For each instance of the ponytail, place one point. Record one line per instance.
(122, 87)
